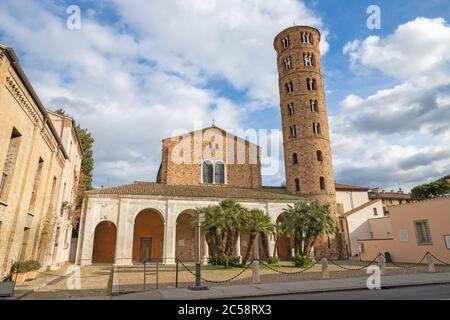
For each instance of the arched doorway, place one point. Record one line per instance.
(284, 244)
(148, 236)
(104, 243)
(185, 236)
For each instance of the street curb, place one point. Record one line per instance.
(328, 290)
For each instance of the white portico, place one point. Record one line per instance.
(128, 224)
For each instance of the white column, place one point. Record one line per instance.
(238, 246)
(271, 245)
(170, 227)
(125, 229)
(205, 251)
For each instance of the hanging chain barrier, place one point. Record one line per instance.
(406, 267)
(439, 260)
(352, 269)
(245, 268)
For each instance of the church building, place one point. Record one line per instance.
(130, 223)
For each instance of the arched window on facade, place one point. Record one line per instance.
(220, 173)
(207, 172)
(322, 183)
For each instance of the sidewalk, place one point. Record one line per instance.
(270, 289)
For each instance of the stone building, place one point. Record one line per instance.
(32, 159)
(63, 244)
(306, 138)
(390, 198)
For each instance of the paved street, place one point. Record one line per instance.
(430, 292)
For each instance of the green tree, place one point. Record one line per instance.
(257, 223)
(232, 213)
(87, 164)
(434, 189)
(213, 228)
(305, 222)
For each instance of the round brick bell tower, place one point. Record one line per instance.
(306, 139)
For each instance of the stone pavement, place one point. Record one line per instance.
(261, 290)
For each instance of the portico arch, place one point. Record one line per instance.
(284, 244)
(148, 236)
(104, 242)
(185, 237)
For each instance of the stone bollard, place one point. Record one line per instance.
(382, 264)
(430, 263)
(255, 270)
(325, 272)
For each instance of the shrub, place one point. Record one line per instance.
(25, 266)
(32, 265)
(222, 261)
(302, 261)
(274, 260)
(18, 267)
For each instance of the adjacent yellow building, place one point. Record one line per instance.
(32, 160)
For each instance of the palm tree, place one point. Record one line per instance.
(257, 223)
(232, 213)
(304, 222)
(213, 229)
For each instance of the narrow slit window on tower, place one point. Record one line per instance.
(322, 183)
(308, 59)
(314, 107)
(297, 184)
(294, 158)
(285, 42)
(290, 108)
(293, 131)
(287, 63)
(289, 87)
(319, 156)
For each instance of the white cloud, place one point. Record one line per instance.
(133, 82)
(401, 130)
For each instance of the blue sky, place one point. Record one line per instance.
(138, 70)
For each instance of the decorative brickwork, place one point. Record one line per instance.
(183, 157)
(307, 148)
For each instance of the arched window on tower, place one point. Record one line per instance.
(312, 84)
(319, 156)
(316, 128)
(290, 108)
(314, 107)
(285, 41)
(294, 158)
(219, 172)
(322, 183)
(297, 184)
(207, 172)
(289, 87)
(287, 63)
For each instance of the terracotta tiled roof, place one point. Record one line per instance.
(349, 187)
(164, 190)
(354, 210)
